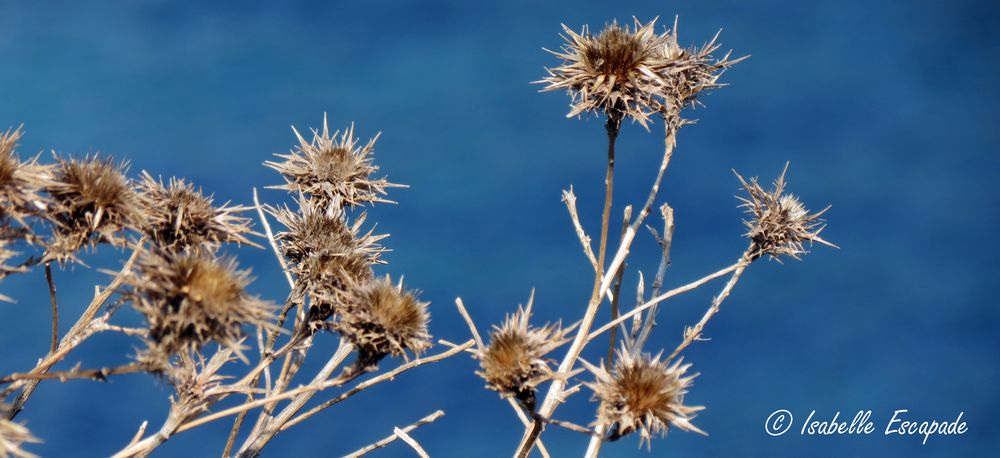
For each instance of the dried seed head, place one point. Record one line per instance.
(633, 71)
(333, 170)
(780, 224)
(643, 394)
(92, 203)
(22, 183)
(382, 319)
(12, 436)
(326, 253)
(514, 362)
(177, 217)
(189, 299)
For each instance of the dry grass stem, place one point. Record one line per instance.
(390, 439)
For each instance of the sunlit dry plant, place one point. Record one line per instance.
(93, 202)
(327, 254)
(514, 362)
(643, 394)
(190, 299)
(332, 169)
(632, 71)
(383, 319)
(178, 217)
(12, 435)
(780, 224)
(22, 183)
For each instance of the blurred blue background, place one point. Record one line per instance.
(886, 110)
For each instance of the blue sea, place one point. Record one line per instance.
(887, 111)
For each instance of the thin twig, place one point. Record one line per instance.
(390, 439)
(379, 379)
(665, 244)
(55, 307)
(76, 334)
(549, 404)
(411, 442)
(295, 392)
(95, 374)
(667, 295)
(693, 333)
(618, 289)
(271, 241)
(139, 433)
(569, 198)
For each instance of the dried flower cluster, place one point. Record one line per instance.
(514, 362)
(176, 217)
(643, 394)
(22, 184)
(12, 435)
(190, 299)
(332, 169)
(633, 72)
(383, 319)
(327, 254)
(780, 224)
(92, 202)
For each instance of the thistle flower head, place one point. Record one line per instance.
(12, 436)
(514, 362)
(190, 299)
(324, 239)
(382, 319)
(779, 223)
(179, 217)
(632, 71)
(332, 169)
(643, 394)
(22, 183)
(93, 202)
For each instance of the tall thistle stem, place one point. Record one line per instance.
(613, 127)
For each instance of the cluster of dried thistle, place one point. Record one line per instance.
(199, 315)
(201, 319)
(630, 72)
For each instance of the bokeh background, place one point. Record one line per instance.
(886, 110)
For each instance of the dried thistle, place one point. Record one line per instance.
(22, 183)
(643, 394)
(12, 436)
(189, 299)
(633, 72)
(327, 254)
(93, 202)
(514, 364)
(780, 224)
(332, 169)
(179, 217)
(383, 319)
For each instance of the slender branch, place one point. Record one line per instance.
(95, 374)
(55, 307)
(618, 290)
(329, 384)
(77, 334)
(661, 271)
(411, 442)
(256, 442)
(667, 295)
(271, 241)
(549, 405)
(692, 334)
(388, 440)
(569, 198)
(379, 379)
